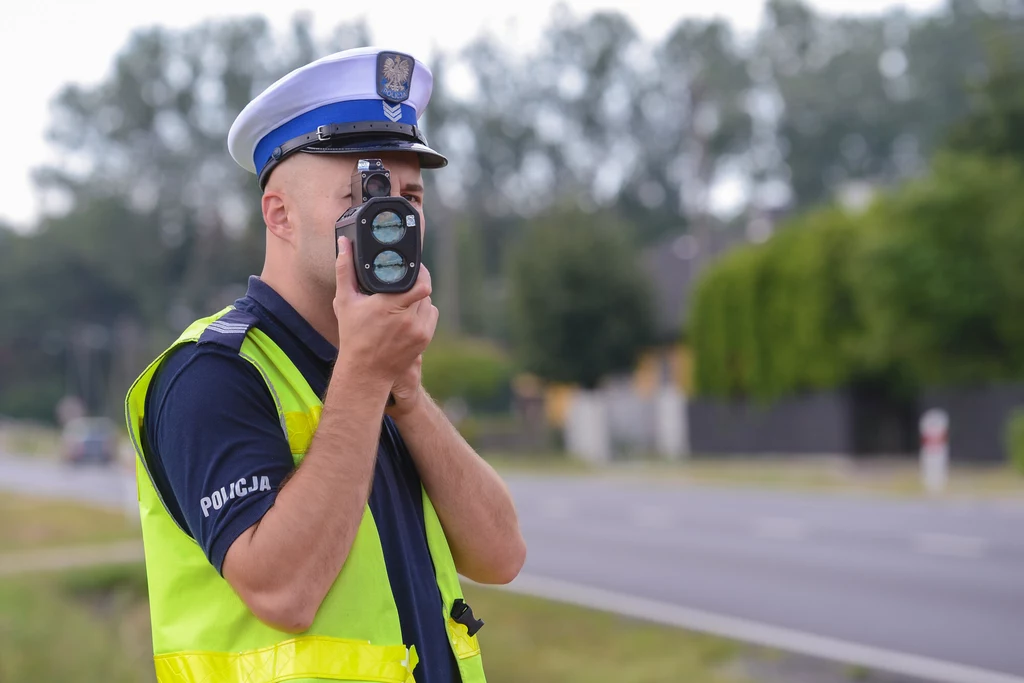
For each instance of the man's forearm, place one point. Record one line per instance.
(472, 502)
(283, 566)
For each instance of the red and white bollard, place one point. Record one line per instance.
(934, 428)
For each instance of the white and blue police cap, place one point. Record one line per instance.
(355, 101)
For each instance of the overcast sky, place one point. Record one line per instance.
(47, 43)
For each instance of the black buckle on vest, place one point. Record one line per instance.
(463, 614)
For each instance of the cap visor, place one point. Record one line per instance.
(428, 157)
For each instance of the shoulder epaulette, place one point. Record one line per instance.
(229, 330)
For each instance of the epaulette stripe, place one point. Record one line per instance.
(226, 327)
(228, 331)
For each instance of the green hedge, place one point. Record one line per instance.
(1015, 439)
(925, 288)
(779, 317)
(475, 370)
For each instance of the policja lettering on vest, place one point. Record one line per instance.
(363, 101)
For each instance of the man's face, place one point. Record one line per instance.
(321, 190)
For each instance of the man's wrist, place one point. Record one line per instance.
(356, 380)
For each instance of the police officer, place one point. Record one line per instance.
(297, 525)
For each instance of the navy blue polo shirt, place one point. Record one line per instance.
(210, 420)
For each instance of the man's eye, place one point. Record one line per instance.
(412, 198)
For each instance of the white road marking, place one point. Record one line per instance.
(780, 528)
(652, 517)
(949, 545)
(936, 670)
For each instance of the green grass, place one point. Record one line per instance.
(98, 622)
(529, 639)
(92, 626)
(89, 626)
(543, 463)
(29, 523)
(883, 477)
(21, 438)
(78, 627)
(823, 474)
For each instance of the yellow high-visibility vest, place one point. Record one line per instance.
(204, 633)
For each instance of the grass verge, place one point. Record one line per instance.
(86, 626)
(25, 438)
(821, 474)
(882, 477)
(529, 639)
(98, 622)
(92, 625)
(29, 523)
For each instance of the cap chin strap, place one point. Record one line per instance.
(334, 131)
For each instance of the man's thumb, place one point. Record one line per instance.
(345, 271)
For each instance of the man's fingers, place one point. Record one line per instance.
(423, 287)
(421, 290)
(427, 314)
(432, 316)
(424, 279)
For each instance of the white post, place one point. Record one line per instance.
(670, 423)
(934, 428)
(586, 428)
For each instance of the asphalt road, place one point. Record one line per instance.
(938, 580)
(88, 484)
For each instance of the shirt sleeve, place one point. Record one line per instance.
(220, 444)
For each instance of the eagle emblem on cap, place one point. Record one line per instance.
(394, 76)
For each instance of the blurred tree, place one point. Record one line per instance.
(842, 106)
(995, 126)
(941, 279)
(596, 117)
(581, 303)
(475, 282)
(152, 138)
(149, 217)
(146, 218)
(67, 292)
(478, 117)
(868, 99)
(711, 84)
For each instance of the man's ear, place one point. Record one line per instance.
(275, 214)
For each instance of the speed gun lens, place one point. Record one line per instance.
(388, 227)
(389, 267)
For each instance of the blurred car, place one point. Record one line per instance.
(90, 440)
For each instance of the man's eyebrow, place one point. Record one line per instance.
(412, 187)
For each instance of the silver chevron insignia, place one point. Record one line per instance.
(393, 112)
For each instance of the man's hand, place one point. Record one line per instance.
(382, 336)
(282, 567)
